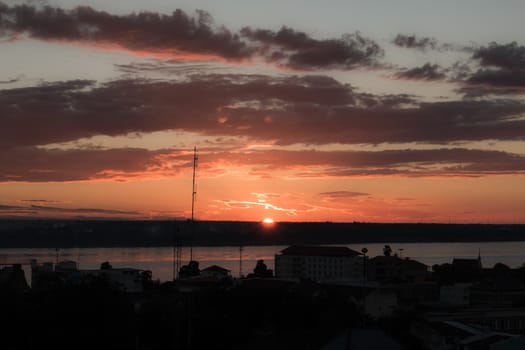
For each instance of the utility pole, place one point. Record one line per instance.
(364, 251)
(174, 258)
(176, 252)
(240, 261)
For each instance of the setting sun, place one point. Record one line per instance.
(268, 221)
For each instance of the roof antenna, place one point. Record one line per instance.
(193, 194)
(479, 257)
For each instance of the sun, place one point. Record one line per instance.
(268, 221)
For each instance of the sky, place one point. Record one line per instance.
(342, 111)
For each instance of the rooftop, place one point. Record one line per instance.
(466, 263)
(395, 259)
(216, 268)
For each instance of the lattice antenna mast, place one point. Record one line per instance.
(193, 195)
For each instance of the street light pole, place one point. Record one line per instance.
(364, 251)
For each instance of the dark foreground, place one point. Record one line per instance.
(398, 305)
(255, 315)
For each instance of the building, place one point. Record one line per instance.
(49, 276)
(383, 268)
(516, 343)
(216, 272)
(12, 279)
(319, 263)
(453, 335)
(467, 265)
(503, 291)
(126, 280)
(510, 320)
(455, 294)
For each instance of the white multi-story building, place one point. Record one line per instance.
(319, 263)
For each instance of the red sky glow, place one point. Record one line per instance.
(328, 119)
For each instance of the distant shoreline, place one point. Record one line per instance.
(126, 233)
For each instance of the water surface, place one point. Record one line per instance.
(160, 259)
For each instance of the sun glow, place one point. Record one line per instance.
(268, 221)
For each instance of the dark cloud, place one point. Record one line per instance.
(505, 75)
(37, 165)
(477, 91)
(502, 72)
(499, 78)
(33, 211)
(298, 50)
(67, 110)
(10, 81)
(143, 31)
(39, 201)
(436, 162)
(507, 56)
(311, 109)
(460, 70)
(180, 32)
(9, 207)
(167, 67)
(343, 194)
(366, 100)
(414, 42)
(426, 72)
(83, 210)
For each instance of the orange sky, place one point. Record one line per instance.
(100, 116)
